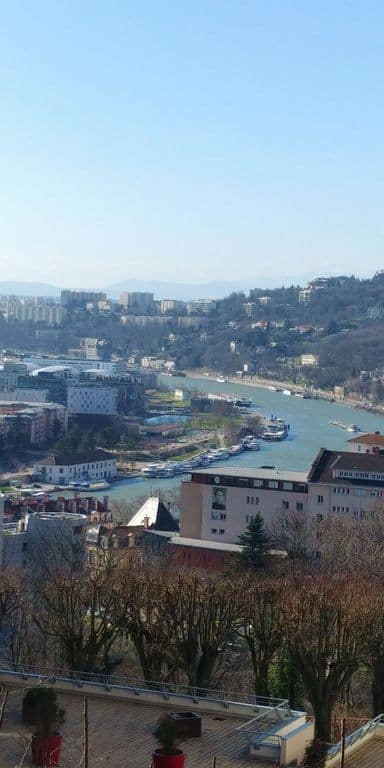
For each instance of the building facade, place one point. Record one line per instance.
(34, 422)
(78, 299)
(67, 469)
(217, 505)
(137, 301)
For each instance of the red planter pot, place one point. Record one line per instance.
(162, 760)
(46, 752)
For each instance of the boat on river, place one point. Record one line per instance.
(347, 427)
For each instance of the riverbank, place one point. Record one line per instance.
(257, 382)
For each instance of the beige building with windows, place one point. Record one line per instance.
(218, 503)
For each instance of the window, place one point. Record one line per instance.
(273, 484)
(24, 546)
(285, 504)
(248, 499)
(221, 530)
(257, 483)
(320, 499)
(319, 517)
(287, 486)
(299, 506)
(213, 530)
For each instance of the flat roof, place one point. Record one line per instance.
(118, 729)
(221, 546)
(260, 472)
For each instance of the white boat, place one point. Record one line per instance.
(272, 388)
(287, 392)
(234, 450)
(347, 427)
(252, 445)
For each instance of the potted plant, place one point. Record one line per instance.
(42, 712)
(168, 754)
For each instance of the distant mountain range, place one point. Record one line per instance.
(164, 289)
(215, 289)
(16, 288)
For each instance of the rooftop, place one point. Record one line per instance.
(328, 465)
(368, 439)
(154, 514)
(256, 472)
(121, 728)
(69, 459)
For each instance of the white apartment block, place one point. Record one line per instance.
(95, 400)
(170, 305)
(66, 469)
(35, 311)
(218, 503)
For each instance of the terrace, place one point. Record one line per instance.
(236, 729)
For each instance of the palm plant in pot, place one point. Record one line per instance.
(168, 754)
(42, 712)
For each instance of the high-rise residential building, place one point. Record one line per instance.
(78, 299)
(135, 301)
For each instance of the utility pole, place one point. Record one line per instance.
(86, 724)
(342, 753)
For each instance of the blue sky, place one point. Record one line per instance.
(190, 141)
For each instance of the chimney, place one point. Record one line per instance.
(85, 505)
(146, 521)
(72, 505)
(61, 506)
(106, 501)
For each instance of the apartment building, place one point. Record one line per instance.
(170, 305)
(35, 422)
(106, 397)
(78, 299)
(34, 311)
(137, 301)
(217, 504)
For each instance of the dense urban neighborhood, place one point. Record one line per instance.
(222, 572)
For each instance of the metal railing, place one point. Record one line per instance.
(47, 674)
(355, 736)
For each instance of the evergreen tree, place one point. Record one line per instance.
(256, 543)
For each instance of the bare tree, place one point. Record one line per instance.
(139, 612)
(325, 620)
(200, 615)
(75, 610)
(261, 626)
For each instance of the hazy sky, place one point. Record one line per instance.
(190, 140)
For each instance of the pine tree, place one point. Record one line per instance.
(255, 542)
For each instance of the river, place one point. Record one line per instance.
(310, 430)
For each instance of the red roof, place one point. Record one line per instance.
(368, 439)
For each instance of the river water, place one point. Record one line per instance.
(310, 430)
